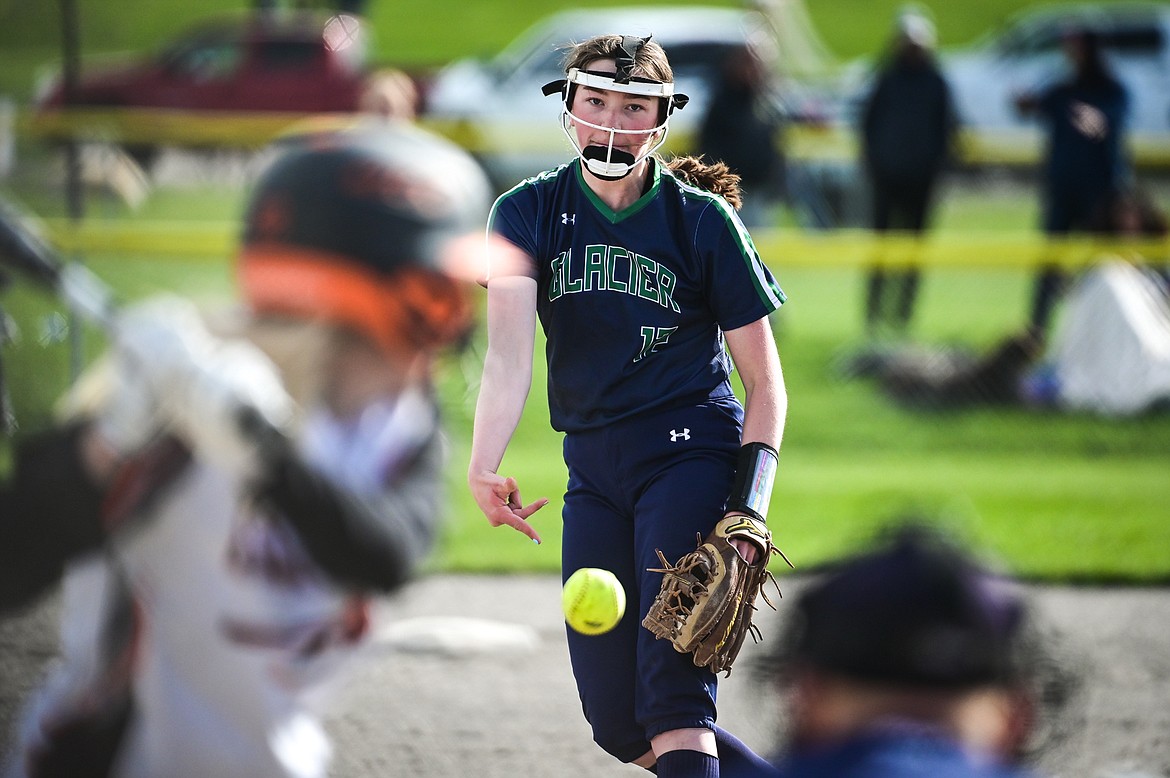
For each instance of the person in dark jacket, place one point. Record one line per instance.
(743, 128)
(1085, 165)
(907, 128)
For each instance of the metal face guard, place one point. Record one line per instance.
(606, 162)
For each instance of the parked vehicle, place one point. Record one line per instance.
(496, 109)
(1026, 55)
(235, 80)
(1023, 55)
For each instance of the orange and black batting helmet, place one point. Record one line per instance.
(375, 227)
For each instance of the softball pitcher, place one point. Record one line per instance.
(648, 288)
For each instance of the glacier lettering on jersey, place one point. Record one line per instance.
(612, 269)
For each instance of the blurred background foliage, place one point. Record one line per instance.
(427, 33)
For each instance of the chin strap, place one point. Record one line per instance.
(607, 163)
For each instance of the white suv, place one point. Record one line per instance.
(1026, 55)
(496, 108)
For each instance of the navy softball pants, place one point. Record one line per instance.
(652, 482)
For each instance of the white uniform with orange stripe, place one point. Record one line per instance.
(237, 634)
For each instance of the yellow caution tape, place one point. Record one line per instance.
(253, 129)
(860, 248)
(213, 240)
(157, 126)
(779, 248)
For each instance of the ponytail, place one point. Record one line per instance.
(715, 177)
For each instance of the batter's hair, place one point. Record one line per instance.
(716, 177)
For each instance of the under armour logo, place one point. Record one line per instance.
(676, 436)
(568, 218)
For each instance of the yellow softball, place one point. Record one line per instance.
(593, 600)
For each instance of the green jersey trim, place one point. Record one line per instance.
(618, 216)
(767, 289)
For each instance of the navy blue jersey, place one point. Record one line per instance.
(634, 304)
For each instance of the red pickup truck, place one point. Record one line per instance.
(236, 81)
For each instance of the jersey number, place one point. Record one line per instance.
(652, 338)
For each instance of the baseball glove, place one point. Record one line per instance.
(706, 602)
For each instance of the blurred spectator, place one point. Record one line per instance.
(911, 659)
(907, 127)
(390, 94)
(1085, 164)
(743, 128)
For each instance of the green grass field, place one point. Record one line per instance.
(1052, 496)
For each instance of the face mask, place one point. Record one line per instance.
(604, 161)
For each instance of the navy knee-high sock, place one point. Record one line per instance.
(735, 756)
(687, 764)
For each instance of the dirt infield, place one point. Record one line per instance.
(469, 675)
